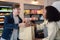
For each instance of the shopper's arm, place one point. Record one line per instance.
(8, 23)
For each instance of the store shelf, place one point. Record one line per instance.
(1, 28)
(1, 22)
(2, 16)
(0, 34)
(6, 6)
(32, 14)
(5, 11)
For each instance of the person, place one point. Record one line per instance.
(11, 24)
(56, 4)
(51, 14)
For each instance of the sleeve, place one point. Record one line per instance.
(9, 25)
(20, 20)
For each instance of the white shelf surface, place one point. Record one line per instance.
(2, 16)
(6, 6)
(5, 10)
(1, 22)
(1, 28)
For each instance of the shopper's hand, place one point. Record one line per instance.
(21, 25)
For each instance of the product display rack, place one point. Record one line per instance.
(4, 10)
(34, 10)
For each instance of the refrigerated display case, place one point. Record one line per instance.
(5, 9)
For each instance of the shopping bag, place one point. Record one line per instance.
(45, 30)
(41, 33)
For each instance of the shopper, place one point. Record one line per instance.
(11, 24)
(51, 14)
(56, 4)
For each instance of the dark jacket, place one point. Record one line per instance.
(9, 25)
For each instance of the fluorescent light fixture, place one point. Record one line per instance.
(34, 2)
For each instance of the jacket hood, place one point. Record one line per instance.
(56, 5)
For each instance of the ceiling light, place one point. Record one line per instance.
(34, 2)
